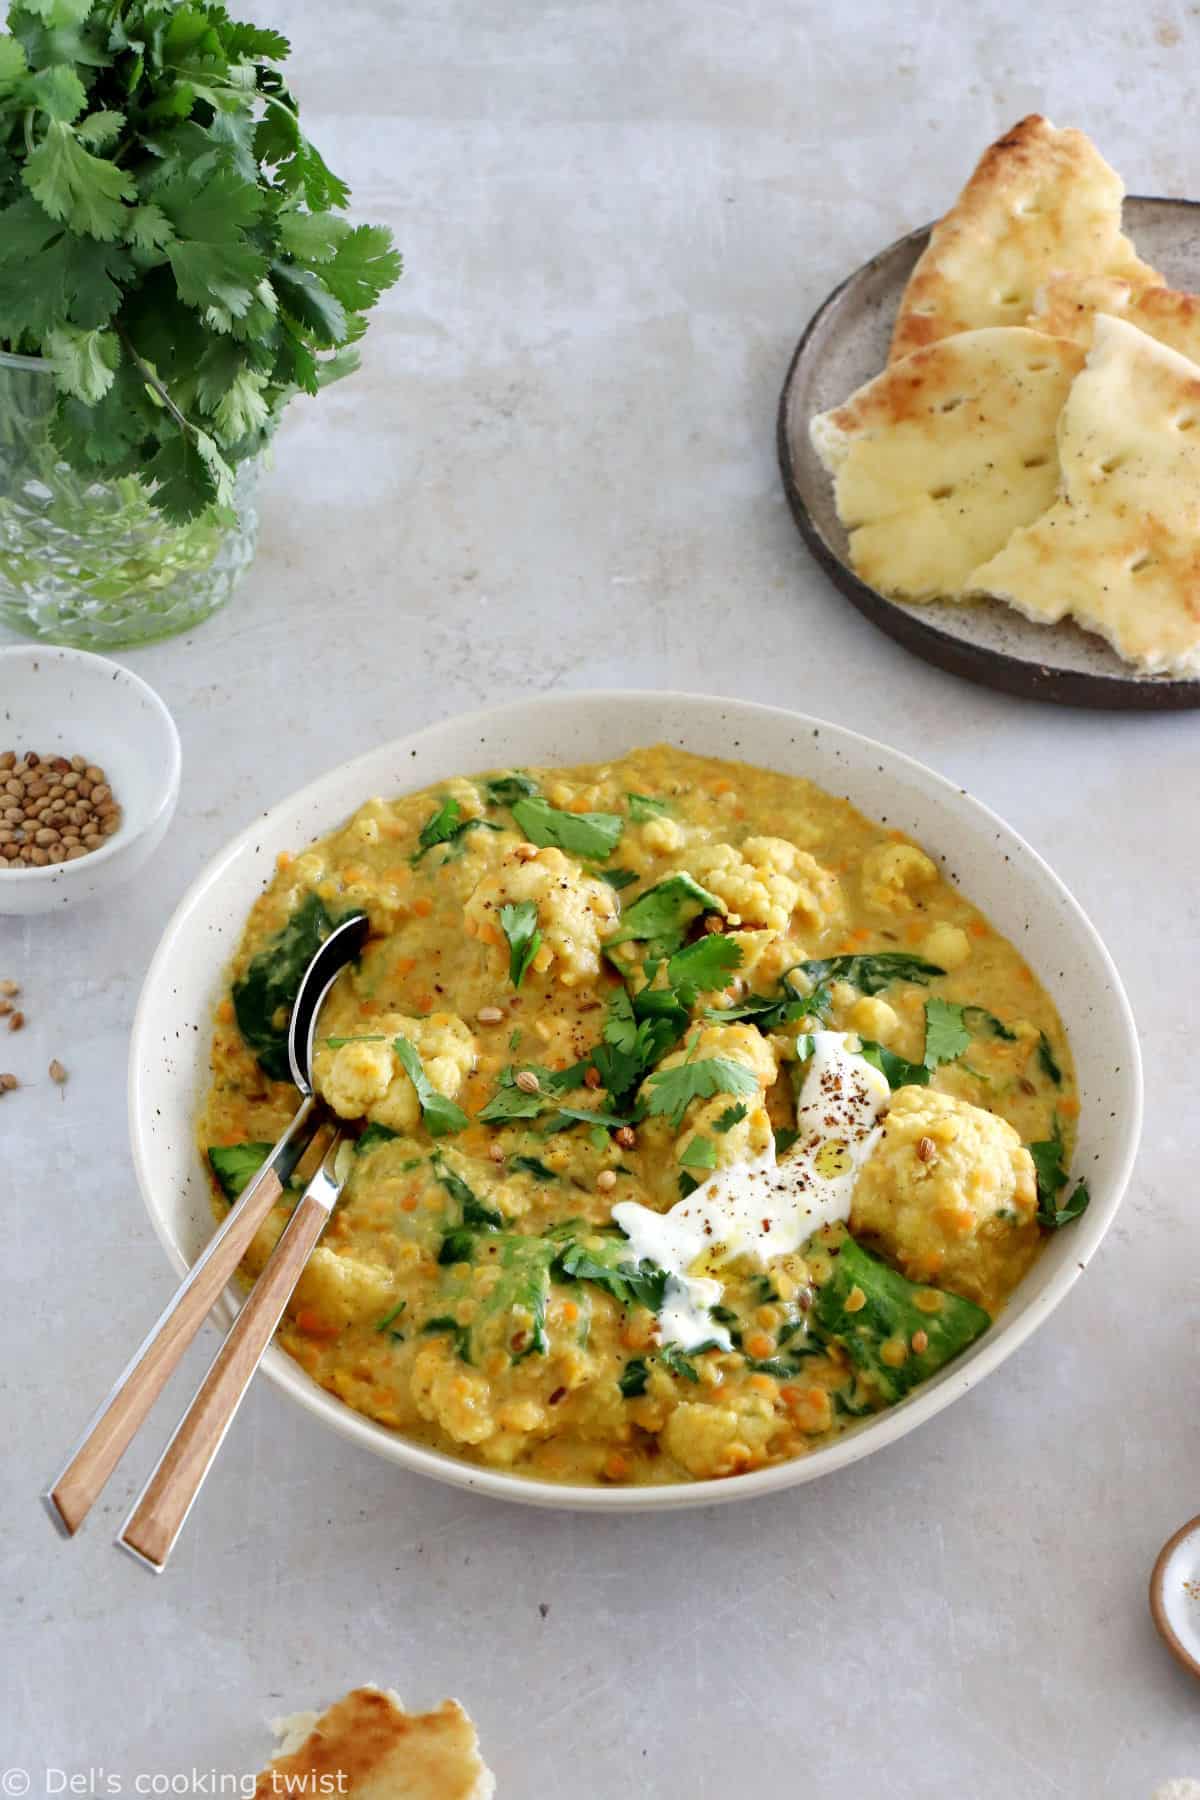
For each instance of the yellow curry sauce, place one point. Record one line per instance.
(470, 1290)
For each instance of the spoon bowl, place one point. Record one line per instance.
(343, 945)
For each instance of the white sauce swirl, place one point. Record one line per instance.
(765, 1208)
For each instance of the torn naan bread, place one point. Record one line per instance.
(1066, 306)
(368, 1748)
(1040, 200)
(942, 457)
(1120, 550)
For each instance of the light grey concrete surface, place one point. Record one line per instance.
(557, 471)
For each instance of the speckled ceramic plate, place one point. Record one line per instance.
(168, 1053)
(845, 344)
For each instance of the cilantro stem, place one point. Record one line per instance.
(152, 380)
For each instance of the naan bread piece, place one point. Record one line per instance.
(367, 1747)
(942, 457)
(1120, 551)
(1040, 200)
(1066, 306)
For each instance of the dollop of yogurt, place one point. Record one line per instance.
(768, 1207)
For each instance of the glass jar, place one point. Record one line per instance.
(92, 562)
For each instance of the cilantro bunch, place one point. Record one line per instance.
(170, 241)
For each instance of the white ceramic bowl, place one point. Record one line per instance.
(169, 1052)
(58, 702)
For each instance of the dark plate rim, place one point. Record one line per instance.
(997, 669)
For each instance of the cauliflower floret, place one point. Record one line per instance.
(575, 911)
(744, 1142)
(950, 1193)
(364, 1079)
(873, 1018)
(717, 1440)
(451, 1394)
(893, 873)
(737, 1043)
(342, 1290)
(662, 834)
(353, 1077)
(766, 882)
(948, 946)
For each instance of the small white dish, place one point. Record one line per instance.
(59, 702)
(1175, 1595)
(169, 1049)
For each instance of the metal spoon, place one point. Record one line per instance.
(110, 1432)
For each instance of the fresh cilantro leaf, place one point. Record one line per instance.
(638, 1032)
(242, 410)
(785, 1137)
(645, 806)
(606, 1263)
(71, 184)
(699, 1153)
(871, 973)
(633, 1378)
(308, 300)
(84, 362)
(671, 1091)
(580, 834)
(733, 1115)
(510, 1102)
(899, 1073)
(563, 1116)
(311, 237)
(1046, 1062)
(770, 1012)
(702, 966)
(13, 67)
(59, 92)
(364, 263)
(506, 790)
(946, 1035)
(446, 826)
(616, 878)
(519, 923)
(661, 916)
(183, 467)
(439, 1114)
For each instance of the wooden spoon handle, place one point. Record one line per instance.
(158, 1515)
(139, 1384)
